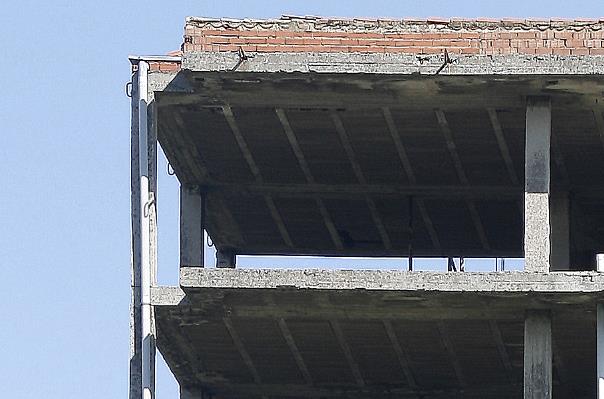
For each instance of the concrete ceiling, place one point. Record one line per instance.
(292, 343)
(373, 165)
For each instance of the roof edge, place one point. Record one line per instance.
(293, 22)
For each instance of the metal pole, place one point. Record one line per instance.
(600, 334)
(410, 214)
(146, 202)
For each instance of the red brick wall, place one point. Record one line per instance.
(164, 66)
(311, 34)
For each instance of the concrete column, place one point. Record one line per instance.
(538, 355)
(560, 231)
(226, 258)
(537, 230)
(192, 215)
(190, 393)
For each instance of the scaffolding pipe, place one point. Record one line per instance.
(146, 202)
(600, 334)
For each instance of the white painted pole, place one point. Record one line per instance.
(600, 334)
(146, 201)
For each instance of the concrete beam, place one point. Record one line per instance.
(461, 174)
(190, 393)
(230, 389)
(401, 354)
(406, 165)
(192, 217)
(310, 179)
(348, 190)
(425, 64)
(226, 258)
(386, 280)
(356, 167)
(503, 353)
(538, 355)
(537, 229)
(451, 354)
(352, 363)
(255, 170)
(291, 343)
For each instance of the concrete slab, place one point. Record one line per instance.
(387, 280)
(300, 334)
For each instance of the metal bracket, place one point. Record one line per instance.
(242, 57)
(148, 204)
(448, 61)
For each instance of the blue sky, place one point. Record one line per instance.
(64, 186)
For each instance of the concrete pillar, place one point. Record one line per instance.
(192, 215)
(538, 355)
(560, 231)
(226, 258)
(537, 230)
(190, 393)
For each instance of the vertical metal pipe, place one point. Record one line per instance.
(600, 334)
(410, 233)
(146, 202)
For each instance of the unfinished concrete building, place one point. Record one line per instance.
(374, 138)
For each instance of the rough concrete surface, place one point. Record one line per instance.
(396, 63)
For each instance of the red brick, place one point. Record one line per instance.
(561, 51)
(432, 50)
(563, 34)
(470, 35)
(543, 50)
(581, 35)
(365, 49)
(216, 40)
(546, 34)
(470, 50)
(449, 35)
(275, 40)
(235, 40)
(294, 40)
(367, 35)
(330, 41)
(169, 66)
(593, 43)
(501, 43)
(275, 49)
(256, 40)
(258, 33)
(329, 34)
(575, 43)
(233, 47)
(221, 32)
(404, 36)
(596, 51)
(597, 34)
(452, 43)
(410, 50)
(526, 35)
(579, 51)
(507, 50)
